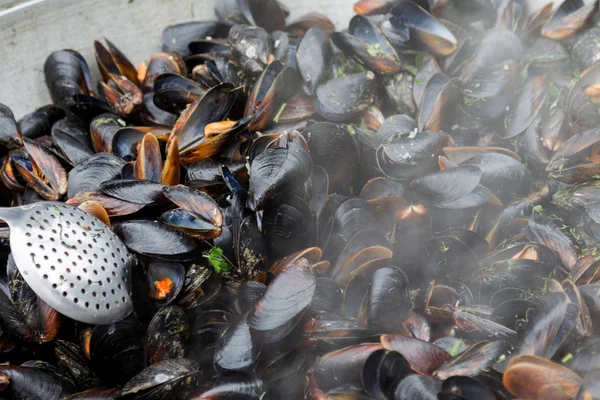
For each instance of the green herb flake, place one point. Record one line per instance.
(568, 357)
(538, 209)
(278, 115)
(455, 348)
(411, 68)
(374, 50)
(351, 130)
(216, 259)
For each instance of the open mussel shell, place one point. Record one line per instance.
(173, 92)
(134, 191)
(111, 60)
(271, 92)
(472, 361)
(436, 106)
(569, 18)
(407, 157)
(90, 174)
(42, 171)
(532, 377)
(200, 286)
(343, 366)
(342, 98)
(190, 128)
(294, 287)
(175, 38)
(383, 371)
(452, 188)
(366, 42)
(72, 141)
(423, 357)
(276, 172)
(165, 281)
(154, 238)
(417, 27)
(199, 215)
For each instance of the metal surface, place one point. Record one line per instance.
(71, 260)
(32, 30)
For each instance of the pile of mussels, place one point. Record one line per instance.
(408, 209)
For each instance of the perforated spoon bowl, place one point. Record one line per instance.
(71, 260)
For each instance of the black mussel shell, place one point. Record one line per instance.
(234, 386)
(388, 300)
(168, 379)
(342, 98)
(467, 388)
(72, 140)
(122, 344)
(176, 37)
(472, 361)
(412, 24)
(167, 335)
(423, 357)
(343, 366)
(569, 18)
(276, 172)
(442, 188)
(70, 357)
(39, 122)
(67, 74)
(9, 131)
(506, 177)
(407, 157)
(284, 302)
(418, 387)
(31, 383)
(235, 349)
(268, 14)
(173, 92)
(333, 149)
(383, 371)
(154, 238)
(251, 45)
(134, 191)
(551, 327)
(288, 226)
(166, 280)
(314, 58)
(523, 112)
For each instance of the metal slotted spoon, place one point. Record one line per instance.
(71, 260)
